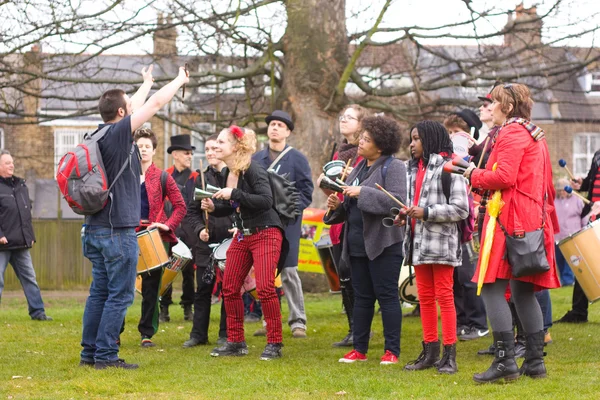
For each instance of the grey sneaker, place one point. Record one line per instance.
(42, 317)
(272, 351)
(473, 333)
(230, 349)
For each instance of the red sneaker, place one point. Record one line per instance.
(353, 356)
(388, 358)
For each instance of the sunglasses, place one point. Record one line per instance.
(509, 87)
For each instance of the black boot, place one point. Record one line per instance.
(520, 346)
(188, 312)
(163, 316)
(427, 359)
(490, 351)
(533, 366)
(504, 364)
(447, 365)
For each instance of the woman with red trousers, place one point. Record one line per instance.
(524, 175)
(257, 242)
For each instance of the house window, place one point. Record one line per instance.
(65, 140)
(595, 84)
(1, 138)
(584, 147)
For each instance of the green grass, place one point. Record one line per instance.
(46, 355)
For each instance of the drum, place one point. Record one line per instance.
(219, 254)
(581, 252)
(324, 248)
(181, 258)
(152, 253)
(407, 286)
(334, 169)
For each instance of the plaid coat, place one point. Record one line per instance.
(437, 239)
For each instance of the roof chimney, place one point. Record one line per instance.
(525, 29)
(165, 37)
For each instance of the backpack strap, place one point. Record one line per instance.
(446, 183)
(163, 183)
(123, 167)
(385, 168)
(283, 153)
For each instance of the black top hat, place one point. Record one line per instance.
(282, 116)
(472, 120)
(181, 142)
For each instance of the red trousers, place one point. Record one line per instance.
(435, 283)
(262, 250)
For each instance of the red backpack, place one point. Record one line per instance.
(81, 175)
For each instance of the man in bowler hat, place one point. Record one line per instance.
(280, 126)
(182, 151)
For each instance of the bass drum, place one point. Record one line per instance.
(407, 286)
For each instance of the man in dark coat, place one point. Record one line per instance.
(294, 163)
(591, 184)
(182, 151)
(16, 235)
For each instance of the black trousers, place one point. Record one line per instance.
(580, 301)
(202, 304)
(345, 285)
(187, 297)
(470, 310)
(148, 324)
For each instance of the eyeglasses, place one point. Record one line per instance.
(347, 118)
(509, 87)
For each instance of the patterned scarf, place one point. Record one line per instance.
(347, 151)
(535, 131)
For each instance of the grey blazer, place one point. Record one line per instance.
(375, 205)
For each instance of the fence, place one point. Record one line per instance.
(57, 257)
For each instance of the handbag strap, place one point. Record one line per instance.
(279, 157)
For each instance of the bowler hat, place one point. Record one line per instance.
(282, 116)
(472, 120)
(181, 142)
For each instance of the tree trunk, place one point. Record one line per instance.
(316, 52)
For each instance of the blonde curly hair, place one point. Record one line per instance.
(245, 142)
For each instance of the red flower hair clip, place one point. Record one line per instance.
(236, 131)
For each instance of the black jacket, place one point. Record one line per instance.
(589, 182)
(217, 226)
(15, 214)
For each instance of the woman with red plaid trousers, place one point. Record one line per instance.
(257, 242)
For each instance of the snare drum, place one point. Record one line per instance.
(219, 254)
(581, 252)
(407, 286)
(152, 251)
(334, 169)
(181, 258)
(324, 248)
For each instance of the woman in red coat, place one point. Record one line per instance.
(524, 175)
(153, 216)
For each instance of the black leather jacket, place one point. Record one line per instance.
(589, 181)
(15, 214)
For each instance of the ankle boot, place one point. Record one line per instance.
(427, 359)
(533, 366)
(447, 365)
(504, 365)
(163, 316)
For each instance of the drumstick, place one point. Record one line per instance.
(391, 196)
(342, 178)
(563, 164)
(203, 188)
(569, 190)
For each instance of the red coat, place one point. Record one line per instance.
(156, 202)
(520, 175)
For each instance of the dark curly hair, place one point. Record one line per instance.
(385, 133)
(434, 138)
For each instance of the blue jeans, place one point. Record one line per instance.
(377, 280)
(114, 259)
(543, 297)
(564, 271)
(23, 267)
